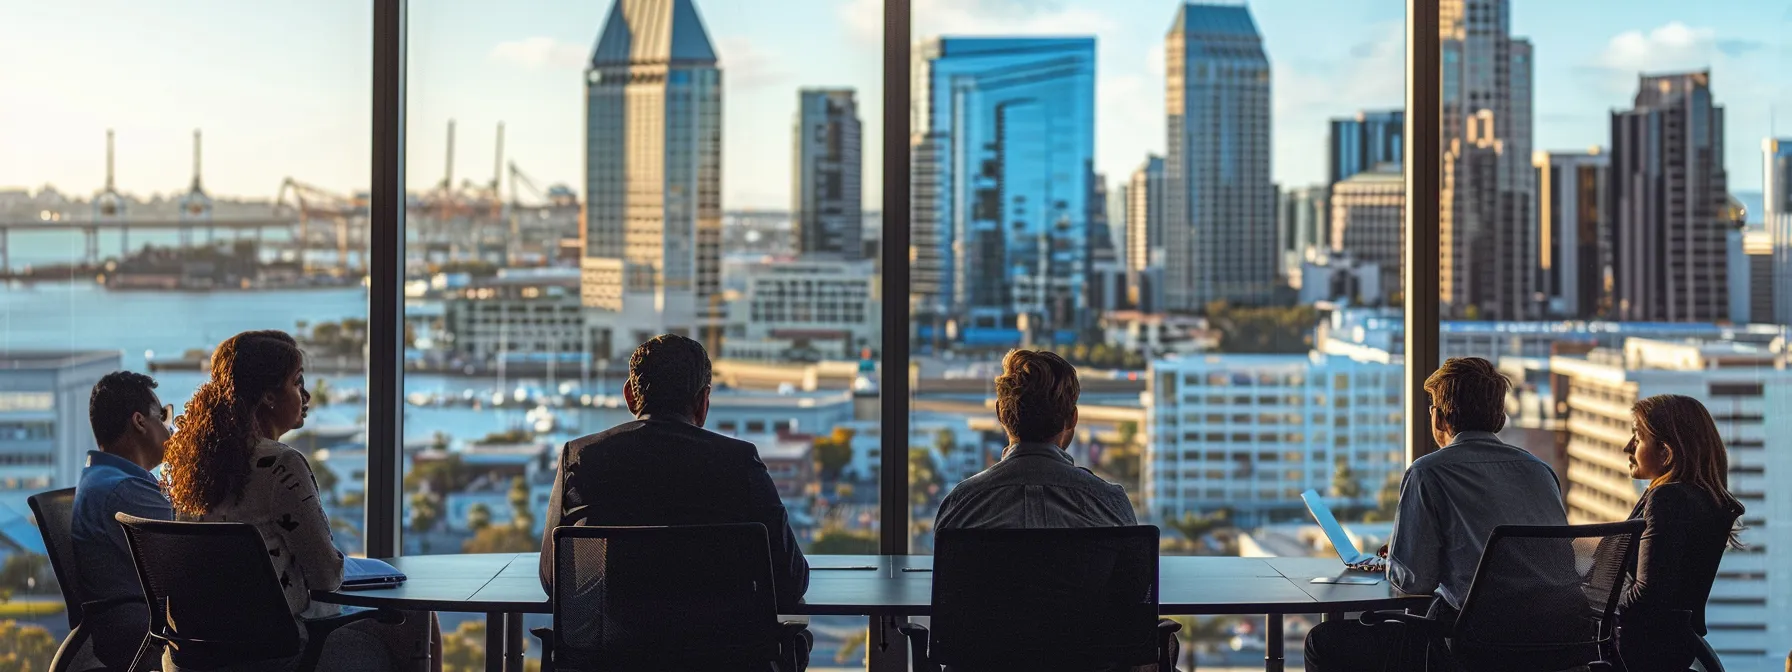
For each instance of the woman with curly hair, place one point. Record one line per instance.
(1690, 519)
(227, 464)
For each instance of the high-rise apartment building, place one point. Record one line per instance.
(1251, 432)
(1369, 221)
(1670, 203)
(1776, 183)
(1742, 385)
(1488, 257)
(1145, 215)
(1302, 214)
(653, 178)
(826, 208)
(1219, 204)
(1360, 143)
(1573, 232)
(1006, 139)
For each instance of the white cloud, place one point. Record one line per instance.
(1674, 46)
(747, 65)
(979, 17)
(539, 52)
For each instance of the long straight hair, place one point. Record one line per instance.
(1683, 425)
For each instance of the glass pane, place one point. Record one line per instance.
(1658, 246)
(1201, 208)
(119, 250)
(573, 196)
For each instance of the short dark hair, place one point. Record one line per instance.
(1036, 394)
(1470, 394)
(667, 373)
(118, 395)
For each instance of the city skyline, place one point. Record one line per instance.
(1327, 61)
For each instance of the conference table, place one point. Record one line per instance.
(887, 589)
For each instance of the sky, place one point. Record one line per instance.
(281, 89)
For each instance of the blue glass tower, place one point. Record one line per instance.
(1005, 137)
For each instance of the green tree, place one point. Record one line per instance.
(25, 648)
(841, 541)
(320, 392)
(1344, 481)
(833, 452)
(509, 436)
(923, 478)
(1387, 501)
(1129, 432)
(1195, 528)
(502, 539)
(1272, 329)
(326, 479)
(945, 441)
(425, 512)
(521, 514)
(440, 476)
(479, 517)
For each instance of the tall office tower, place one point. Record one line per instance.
(1752, 294)
(1743, 384)
(825, 201)
(930, 245)
(1670, 203)
(1363, 142)
(1145, 215)
(653, 178)
(1219, 204)
(1301, 216)
(1776, 182)
(1574, 253)
(1369, 221)
(1119, 198)
(1015, 123)
(1488, 259)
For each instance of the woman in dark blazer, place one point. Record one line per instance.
(1690, 519)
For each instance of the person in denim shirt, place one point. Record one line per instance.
(131, 427)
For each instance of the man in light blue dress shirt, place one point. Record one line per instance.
(1450, 501)
(131, 426)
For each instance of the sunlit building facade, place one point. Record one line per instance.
(653, 178)
(827, 161)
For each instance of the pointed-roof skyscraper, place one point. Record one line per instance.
(653, 178)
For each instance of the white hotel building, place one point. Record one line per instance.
(1746, 387)
(1251, 432)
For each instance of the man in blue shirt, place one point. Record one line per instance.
(131, 427)
(1450, 501)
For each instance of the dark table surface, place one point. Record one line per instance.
(508, 583)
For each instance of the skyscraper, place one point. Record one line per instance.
(1145, 215)
(1362, 142)
(1369, 221)
(826, 208)
(1488, 258)
(1301, 216)
(1776, 183)
(653, 174)
(1219, 206)
(1670, 199)
(1573, 231)
(1008, 183)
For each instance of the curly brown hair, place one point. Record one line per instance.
(208, 459)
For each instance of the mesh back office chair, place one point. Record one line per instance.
(1057, 599)
(671, 598)
(215, 600)
(1542, 600)
(55, 513)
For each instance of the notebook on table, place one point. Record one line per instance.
(366, 573)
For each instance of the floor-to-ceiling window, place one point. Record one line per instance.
(171, 175)
(582, 177)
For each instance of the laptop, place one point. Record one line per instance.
(368, 573)
(1347, 551)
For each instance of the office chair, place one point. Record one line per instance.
(673, 598)
(1542, 600)
(55, 512)
(1057, 599)
(215, 600)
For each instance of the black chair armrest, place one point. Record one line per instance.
(917, 635)
(794, 644)
(1168, 650)
(318, 629)
(546, 635)
(1428, 627)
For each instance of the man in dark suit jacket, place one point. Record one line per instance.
(663, 468)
